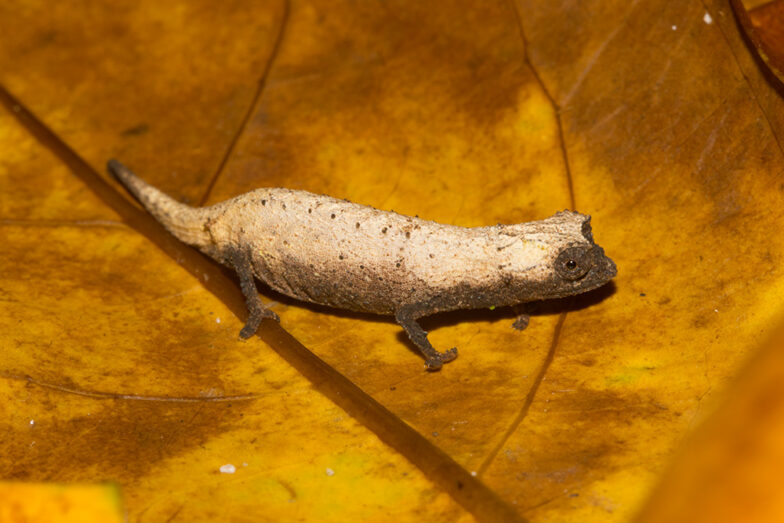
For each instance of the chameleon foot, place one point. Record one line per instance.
(521, 322)
(434, 363)
(254, 320)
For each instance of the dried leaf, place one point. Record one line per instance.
(652, 117)
(60, 503)
(730, 468)
(763, 23)
(105, 378)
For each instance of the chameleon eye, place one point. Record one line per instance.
(573, 263)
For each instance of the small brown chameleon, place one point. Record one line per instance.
(341, 254)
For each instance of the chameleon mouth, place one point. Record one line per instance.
(588, 268)
(603, 270)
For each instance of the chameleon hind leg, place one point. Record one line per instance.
(256, 309)
(407, 318)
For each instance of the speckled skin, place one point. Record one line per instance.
(337, 253)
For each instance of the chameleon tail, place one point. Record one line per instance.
(183, 221)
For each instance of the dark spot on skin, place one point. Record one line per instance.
(380, 278)
(264, 202)
(499, 248)
(310, 211)
(357, 225)
(340, 257)
(431, 256)
(332, 216)
(384, 230)
(283, 205)
(285, 242)
(408, 234)
(361, 266)
(460, 485)
(500, 266)
(397, 264)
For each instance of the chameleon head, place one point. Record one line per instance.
(581, 268)
(578, 265)
(559, 257)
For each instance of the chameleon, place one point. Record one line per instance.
(345, 255)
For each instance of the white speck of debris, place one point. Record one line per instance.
(32, 422)
(217, 320)
(708, 19)
(675, 28)
(244, 464)
(715, 310)
(228, 469)
(473, 473)
(330, 472)
(206, 277)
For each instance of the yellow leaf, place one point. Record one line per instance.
(51, 503)
(656, 122)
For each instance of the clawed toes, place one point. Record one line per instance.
(270, 314)
(247, 331)
(435, 363)
(449, 355)
(252, 325)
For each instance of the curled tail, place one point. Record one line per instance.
(183, 221)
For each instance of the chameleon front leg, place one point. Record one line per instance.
(407, 318)
(523, 316)
(256, 309)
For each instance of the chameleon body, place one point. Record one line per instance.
(341, 254)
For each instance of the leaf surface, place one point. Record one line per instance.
(651, 117)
